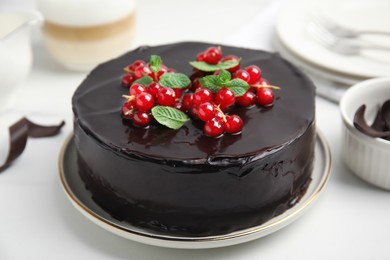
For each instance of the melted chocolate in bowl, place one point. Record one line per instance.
(180, 181)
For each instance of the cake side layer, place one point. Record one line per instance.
(196, 200)
(97, 103)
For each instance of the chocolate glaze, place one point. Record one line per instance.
(180, 181)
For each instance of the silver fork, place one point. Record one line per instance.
(325, 22)
(345, 46)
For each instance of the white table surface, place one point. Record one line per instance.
(349, 221)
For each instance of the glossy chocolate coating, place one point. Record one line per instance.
(180, 181)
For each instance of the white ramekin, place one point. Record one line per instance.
(367, 157)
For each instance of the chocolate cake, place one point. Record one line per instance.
(185, 183)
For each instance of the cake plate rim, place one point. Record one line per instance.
(81, 199)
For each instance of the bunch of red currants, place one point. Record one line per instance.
(197, 99)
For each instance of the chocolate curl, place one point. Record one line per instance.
(19, 133)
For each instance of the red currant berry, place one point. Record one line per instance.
(206, 111)
(144, 101)
(242, 74)
(194, 111)
(178, 92)
(161, 71)
(154, 88)
(263, 82)
(166, 97)
(247, 100)
(141, 71)
(225, 98)
(265, 97)
(219, 115)
(195, 84)
(127, 80)
(213, 127)
(188, 100)
(127, 110)
(235, 58)
(254, 74)
(136, 64)
(136, 89)
(233, 124)
(202, 95)
(197, 74)
(213, 55)
(141, 118)
(152, 75)
(178, 105)
(201, 56)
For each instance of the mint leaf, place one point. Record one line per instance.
(204, 66)
(145, 80)
(224, 76)
(212, 82)
(155, 63)
(216, 82)
(238, 86)
(174, 80)
(169, 116)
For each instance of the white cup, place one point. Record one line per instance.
(82, 34)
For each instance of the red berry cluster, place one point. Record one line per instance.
(141, 98)
(198, 101)
(140, 68)
(260, 92)
(213, 55)
(206, 106)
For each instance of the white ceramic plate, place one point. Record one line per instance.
(312, 69)
(291, 31)
(81, 199)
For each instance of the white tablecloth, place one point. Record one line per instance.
(349, 221)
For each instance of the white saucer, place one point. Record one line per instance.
(312, 69)
(329, 85)
(82, 200)
(291, 31)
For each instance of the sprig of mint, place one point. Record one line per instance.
(174, 80)
(238, 86)
(145, 80)
(155, 63)
(204, 66)
(223, 79)
(171, 80)
(169, 116)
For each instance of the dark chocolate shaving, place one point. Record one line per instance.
(19, 133)
(386, 114)
(378, 123)
(374, 131)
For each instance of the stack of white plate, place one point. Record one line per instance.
(294, 42)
